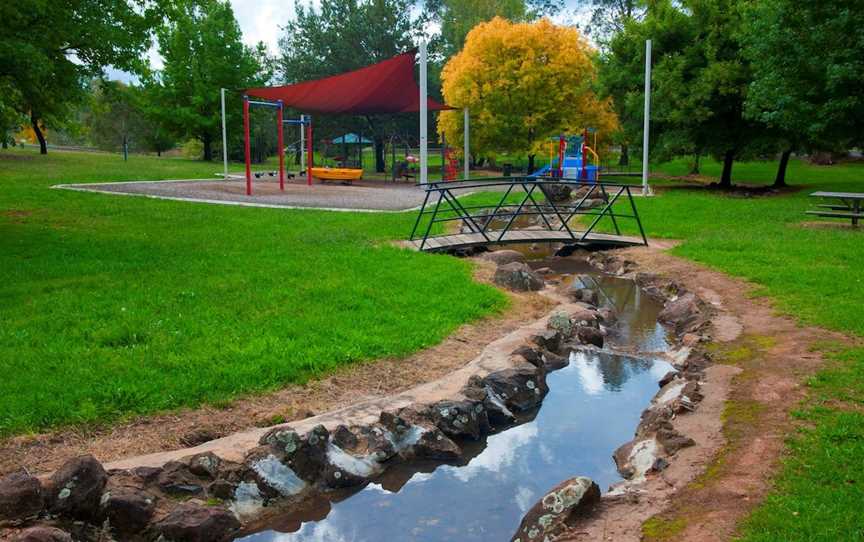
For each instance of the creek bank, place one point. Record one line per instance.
(204, 496)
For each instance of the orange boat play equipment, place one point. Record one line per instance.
(336, 174)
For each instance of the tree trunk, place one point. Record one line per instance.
(159, 152)
(380, 164)
(298, 151)
(208, 148)
(624, 159)
(726, 176)
(780, 179)
(43, 145)
(531, 163)
(4, 143)
(695, 165)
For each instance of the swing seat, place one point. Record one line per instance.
(336, 174)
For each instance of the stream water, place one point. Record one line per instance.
(593, 407)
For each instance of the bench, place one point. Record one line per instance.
(849, 206)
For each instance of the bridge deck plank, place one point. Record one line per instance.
(465, 240)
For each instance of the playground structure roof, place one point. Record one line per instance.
(382, 88)
(351, 139)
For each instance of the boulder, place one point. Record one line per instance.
(685, 314)
(128, 509)
(532, 356)
(635, 458)
(519, 389)
(553, 362)
(191, 522)
(76, 488)
(549, 339)
(672, 440)
(177, 479)
(518, 277)
(561, 323)
(205, 465)
(435, 445)
(43, 534)
(461, 419)
(310, 457)
(667, 378)
(565, 503)
(20, 496)
(557, 192)
(590, 335)
(585, 295)
(503, 257)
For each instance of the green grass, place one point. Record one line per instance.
(816, 275)
(116, 306)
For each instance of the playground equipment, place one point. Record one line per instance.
(569, 158)
(348, 175)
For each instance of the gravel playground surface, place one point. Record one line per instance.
(361, 196)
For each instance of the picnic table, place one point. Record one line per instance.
(847, 205)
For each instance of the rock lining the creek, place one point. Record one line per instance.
(204, 497)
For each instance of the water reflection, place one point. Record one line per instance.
(593, 406)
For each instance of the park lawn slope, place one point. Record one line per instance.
(814, 274)
(117, 306)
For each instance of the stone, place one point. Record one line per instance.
(206, 464)
(585, 295)
(606, 315)
(310, 458)
(562, 323)
(177, 479)
(283, 439)
(672, 441)
(559, 508)
(518, 277)
(43, 534)
(503, 257)
(435, 445)
(146, 474)
(191, 522)
(344, 438)
(532, 356)
(221, 489)
(497, 411)
(684, 314)
(557, 192)
(128, 510)
(554, 362)
(198, 436)
(667, 378)
(461, 418)
(549, 339)
(20, 496)
(76, 488)
(347, 470)
(519, 389)
(590, 335)
(635, 458)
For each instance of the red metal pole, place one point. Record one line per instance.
(562, 144)
(247, 149)
(309, 150)
(281, 143)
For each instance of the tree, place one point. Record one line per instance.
(808, 74)
(700, 81)
(49, 50)
(201, 44)
(608, 17)
(344, 35)
(114, 117)
(523, 83)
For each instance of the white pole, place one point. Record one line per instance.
(424, 136)
(224, 137)
(302, 143)
(467, 147)
(646, 190)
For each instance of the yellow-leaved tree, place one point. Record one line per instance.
(522, 83)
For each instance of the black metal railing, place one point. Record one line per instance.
(521, 197)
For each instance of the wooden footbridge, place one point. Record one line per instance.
(525, 211)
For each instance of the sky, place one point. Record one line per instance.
(262, 20)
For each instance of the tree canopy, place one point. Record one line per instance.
(523, 83)
(49, 51)
(203, 51)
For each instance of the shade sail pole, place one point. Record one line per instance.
(424, 143)
(281, 142)
(302, 144)
(224, 137)
(246, 146)
(646, 190)
(466, 150)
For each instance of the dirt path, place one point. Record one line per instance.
(704, 498)
(45, 452)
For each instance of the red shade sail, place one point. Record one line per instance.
(385, 87)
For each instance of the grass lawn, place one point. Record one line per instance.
(115, 306)
(816, 275)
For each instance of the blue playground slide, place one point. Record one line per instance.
(572, 169)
